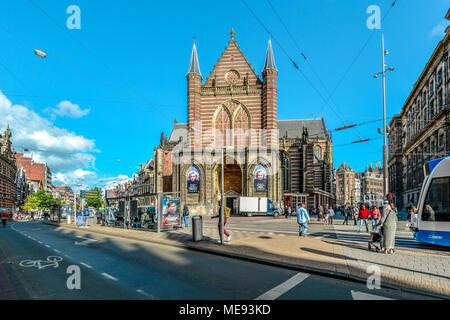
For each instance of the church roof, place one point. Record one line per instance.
(294, 128)
(270, 58)
(194, 66)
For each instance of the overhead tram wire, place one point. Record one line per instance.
(292, 60)
(359, 53)
(89, 51)
(88, 74)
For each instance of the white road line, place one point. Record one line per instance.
(86, 265)
(365, 296)
(145, 294)
(40, 242)
(109, 276)
(284, 287)
(47, 246)
(56, 250)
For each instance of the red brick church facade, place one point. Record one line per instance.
(234, 112)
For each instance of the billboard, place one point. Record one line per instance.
(193, 180)
(171, 212)
(260, 179)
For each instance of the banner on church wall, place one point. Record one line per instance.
(260, 179)
(193, 180)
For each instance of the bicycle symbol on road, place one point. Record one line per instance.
(52, 261)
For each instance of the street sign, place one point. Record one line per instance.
(90, 194)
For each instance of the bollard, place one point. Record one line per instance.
(197, 228)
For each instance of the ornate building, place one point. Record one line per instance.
(421, 131)
(235, 112)
(372, 186)
(8, 170)
(345, 185)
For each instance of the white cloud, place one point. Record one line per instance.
(68, 109)
(111, 182)
(62, 150)
(439, 30)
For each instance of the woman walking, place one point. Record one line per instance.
(330, 214)
(376, 216)
(388, 227)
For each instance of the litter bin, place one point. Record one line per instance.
(197, 228)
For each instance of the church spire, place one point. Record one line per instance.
(270, 60)
(194, 66)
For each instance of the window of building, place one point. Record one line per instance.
(286, 171)
(317, 154)
(437, 201)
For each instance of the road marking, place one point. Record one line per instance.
(56, 250)
(145, 294)
(86, 265)
(47, 246)
(109, 276)
(84, 243)
(284, 287)
(40, 242)
(357, 295)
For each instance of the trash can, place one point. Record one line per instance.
(197, 228)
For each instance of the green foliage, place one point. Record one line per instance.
(40, 200)
(94, 202)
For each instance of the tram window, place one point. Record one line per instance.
(437, 201)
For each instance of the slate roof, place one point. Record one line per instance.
(294, 128)
(344, 167)
(270, 59)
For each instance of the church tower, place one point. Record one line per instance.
(269, 99)
(194, 82)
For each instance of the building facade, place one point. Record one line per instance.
(8, 171)
(234, 112)
(64, 193)
(23, 185)
(345, 185)
(372, 186)
(420, 132)
(39, 174)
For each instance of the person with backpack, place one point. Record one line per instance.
(186, 216)
(302, 220)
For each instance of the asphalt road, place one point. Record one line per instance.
(116, 268)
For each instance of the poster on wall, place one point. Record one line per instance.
(260, 177)
(193, 181)
(171, 212)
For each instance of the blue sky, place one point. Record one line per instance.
(83, 108)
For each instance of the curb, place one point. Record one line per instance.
(315, 271)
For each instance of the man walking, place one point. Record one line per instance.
(347, 214)
(330, 213)
(355, 214)
(364, 214)
(302, 220)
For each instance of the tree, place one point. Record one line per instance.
(94, 202)
(31, 203)
(40, 200)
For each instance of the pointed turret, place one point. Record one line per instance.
(270, 59)
(194, 66)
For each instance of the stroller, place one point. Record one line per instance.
(375, 241)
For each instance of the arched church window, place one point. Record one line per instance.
(222, 126)
(317, 154)
(286, 172)
(241, 129)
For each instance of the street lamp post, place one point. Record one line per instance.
(383, 72)
(75, 202)
(221, 201)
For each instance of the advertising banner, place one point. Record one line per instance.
(260, 179)
(193, 180)
(171, 212)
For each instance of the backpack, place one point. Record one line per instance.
(227, 213)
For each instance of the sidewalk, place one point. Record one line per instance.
(416, 272)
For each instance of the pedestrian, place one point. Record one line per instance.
(226, 215)
(347, 213)
(376, 216)
(326, 215)
(302, 220)
(330, 214)
(364, 214)
(186, 216)
(286, 212)
(290, 211)
(320, 212)
(388, 226)
(355, 215)
(5, 217)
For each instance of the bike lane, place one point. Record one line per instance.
(32, 271)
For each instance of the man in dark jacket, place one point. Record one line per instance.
(347, 213)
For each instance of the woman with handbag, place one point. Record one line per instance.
(388, 227)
